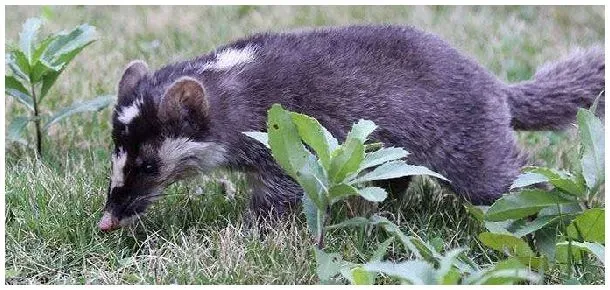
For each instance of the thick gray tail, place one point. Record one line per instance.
(550, 101)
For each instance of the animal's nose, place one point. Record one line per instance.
(108, 222)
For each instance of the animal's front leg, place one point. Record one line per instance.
(274, 194)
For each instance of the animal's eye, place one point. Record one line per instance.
(148, 168)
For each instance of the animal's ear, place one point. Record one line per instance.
(184, 100)
(135, 71)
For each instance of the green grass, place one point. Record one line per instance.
(52, 206)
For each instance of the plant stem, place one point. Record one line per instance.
(320, 219)
(37, 123)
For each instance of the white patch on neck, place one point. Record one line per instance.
(128, 113)
(118, 162)
(183, 154)
(230, 58)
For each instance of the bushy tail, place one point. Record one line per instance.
(551, 99)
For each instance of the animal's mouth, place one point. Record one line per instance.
(108, 222)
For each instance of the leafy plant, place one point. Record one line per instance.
(563, 223)
(430, 266)
(34, 67)
(338, 171)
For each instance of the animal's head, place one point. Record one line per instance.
(160, 134)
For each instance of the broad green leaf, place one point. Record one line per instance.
(589, 226)
(446, 274)
(65, 46)
(28, 38)
(413, 244)
(311, 215)
(437, 243)
(395, 169)
(341, 191)
(452, 277)
(572, 281)
(545, 241)
(359, 276)
(15, 129)
(286, 146)
(466, 264)
(507, 272)
(522, 204)
(538, 223)
(96, 104)
(570, 186)
(500, 227)
(381, 156)
(375, 194)
(591, 131)
(381, 250)
(42, 46)
(353, 222)
(19, 66)
(37, 71)
(563, 251)
(22, 98)
(548, 172)
(316, 136)
(47, 82)
(510, 277)
(527, 179)
(540, 263)
(361, 130)
(593, 107)
(328, 265)
(570, 208)
(426, 250)
(477, 212)
(10, 82)
(258, 136)
(312, 178)
(508, 244)
(52, 73)
(510, 263)
(413, 272)
(346, 160)
(15, 89)
(559, 179)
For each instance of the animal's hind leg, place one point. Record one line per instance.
(487, 176)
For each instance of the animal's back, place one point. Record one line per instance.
(449, 112)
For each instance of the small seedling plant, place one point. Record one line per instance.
(34, 66)
(558, 226)
(332, 172)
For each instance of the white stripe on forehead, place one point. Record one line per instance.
(229, 58)
(117, 178)
(128, 113)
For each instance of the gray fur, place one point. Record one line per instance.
(444, 108)
(550, 100)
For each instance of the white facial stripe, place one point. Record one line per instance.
(118, 162)
(178, 154)
(229, 58)
(128, 113)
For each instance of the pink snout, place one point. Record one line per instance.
(108, 222)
